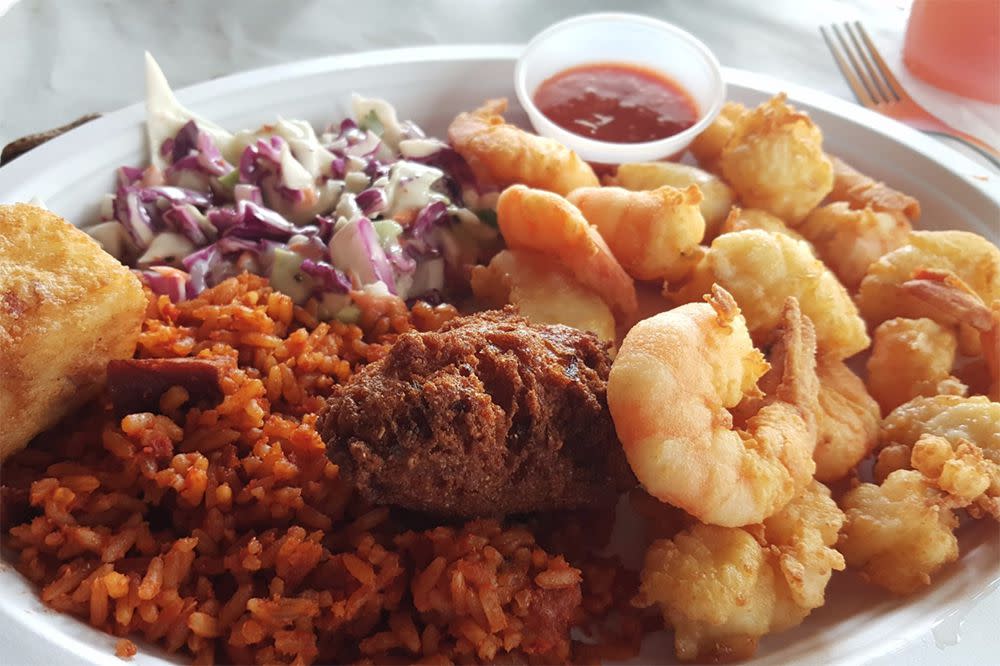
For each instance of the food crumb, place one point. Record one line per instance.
(125, 649)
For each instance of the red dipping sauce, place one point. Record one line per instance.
(616, 103)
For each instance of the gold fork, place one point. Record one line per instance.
(876, 88)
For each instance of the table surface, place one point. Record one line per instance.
(64, 59)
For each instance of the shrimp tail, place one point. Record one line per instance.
(794, 358)
(951, 296)
(724, 304)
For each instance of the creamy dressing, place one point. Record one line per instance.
(409, 187)
(165, 116)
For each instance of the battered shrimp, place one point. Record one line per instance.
(910, 357)
(847, 418)
(698, 361)
(501, 154)
(848, 241)
(967, 256)
(774, 160)
(962, 422)
(654, 234)
(722, 588)
(899, 533)
(847, 422)
(740, 219)
(717, 197)
(545, 222)
(762, 270)
(707, 146)
(962, 471)
(543, 292)
(953, 417)
(860, 191)
(952, 299)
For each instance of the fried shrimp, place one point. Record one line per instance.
(717, 197)
(775, 161)
(653, 233)
(967, 256)
(543, 292)
(954, 442)
(699, 360)
(544, 222)
(952, 299)
(848, 241)
(722, 588)
(502, 154)
(707, 146)
(910, 357)
(762, 270)
(956, 418)
(847, 422)
(740, 219)
(860, 191)
(962, 471)
(899, 533)
(847, 418)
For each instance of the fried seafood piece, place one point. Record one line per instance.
(969, 428)
(543, 292)
(910, 358)
(973, 419)
(968, 257)
(723, 588)
(502, 154)
(898, 533)
(952, 299)
(66, 309)
(849, 240)
(962, 471)
(847, 418)
(955, 418)
(775, 161)
(740, 219)
(490, 415)
(544, 222)
(671, 384)
(654, 234)
(717, 197)
(847, 422)
(860, 191)
(707, 146)
(762, 270)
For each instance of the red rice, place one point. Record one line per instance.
(225, 533)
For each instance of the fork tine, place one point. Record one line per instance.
(894, 84)
(859, 90)
(858, 69)
(880, 87)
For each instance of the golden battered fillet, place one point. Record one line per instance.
(66, 309)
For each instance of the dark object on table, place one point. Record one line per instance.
(20, 146)
(488, 416)
(136, 385)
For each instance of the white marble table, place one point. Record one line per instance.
(62, 59)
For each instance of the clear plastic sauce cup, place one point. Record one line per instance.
(632, 40)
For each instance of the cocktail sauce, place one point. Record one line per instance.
(616, 103)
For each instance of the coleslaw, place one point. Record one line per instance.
(370, 204)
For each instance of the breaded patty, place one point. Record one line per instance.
(490, 415)
(66, 309)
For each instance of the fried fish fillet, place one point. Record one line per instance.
(66, 309)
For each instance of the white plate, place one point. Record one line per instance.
(429, 85)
